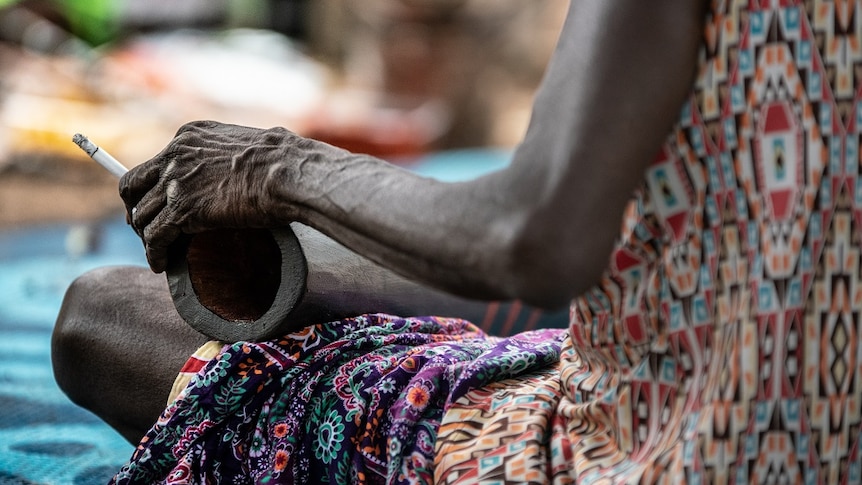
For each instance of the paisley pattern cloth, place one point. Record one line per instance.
(359, 400)
(723, 344)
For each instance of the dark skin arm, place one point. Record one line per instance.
(540, 230)
(343, 284)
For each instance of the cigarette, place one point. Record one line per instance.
(99, 154)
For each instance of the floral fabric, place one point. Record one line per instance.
(359, 400)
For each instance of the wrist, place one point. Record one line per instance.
(289, 181)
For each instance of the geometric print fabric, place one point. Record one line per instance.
(722, 344)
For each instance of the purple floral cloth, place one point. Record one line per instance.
(359, 400)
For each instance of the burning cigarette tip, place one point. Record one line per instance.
(85, 144)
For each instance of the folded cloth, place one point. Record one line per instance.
(193, 365)
(358, 400)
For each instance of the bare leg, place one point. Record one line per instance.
(118, 345)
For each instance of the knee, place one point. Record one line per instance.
(75, 337)
(69, 337)
(117, 346)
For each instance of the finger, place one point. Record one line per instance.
(158, 237)
(155, 200)
(157, 258)
(147, 210)
(138, 181)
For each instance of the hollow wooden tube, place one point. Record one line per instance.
(237, 284)
(255, 284)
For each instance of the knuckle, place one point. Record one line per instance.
(278, 131)
(127, 181)
(196, 126)
(173, 195)
(187, 127)
(124, 187)
(169, 169)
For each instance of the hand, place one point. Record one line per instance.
(211, 175)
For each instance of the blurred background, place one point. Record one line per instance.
(443, 87)
(393, 78)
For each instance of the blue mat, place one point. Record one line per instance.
(44, 437)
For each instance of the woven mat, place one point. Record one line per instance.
(44, 437)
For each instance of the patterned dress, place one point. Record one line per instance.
(723, 343)
(721, 346)
(359, 400)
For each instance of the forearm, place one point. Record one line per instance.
(449, 236)
(342, 284)
(542, 229)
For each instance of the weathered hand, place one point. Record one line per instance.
(211, 175)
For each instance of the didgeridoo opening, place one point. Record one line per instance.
(237, 284)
